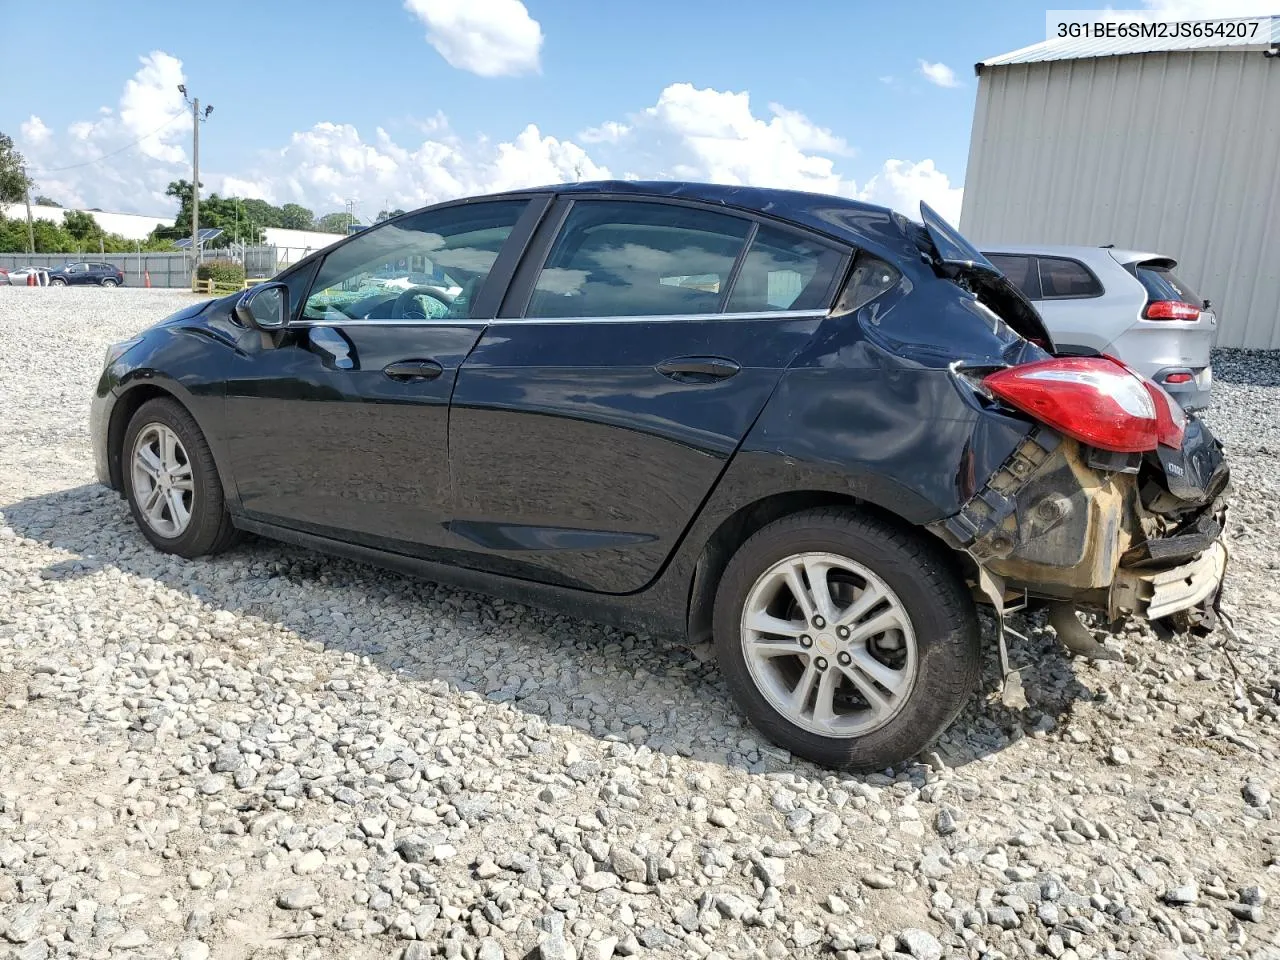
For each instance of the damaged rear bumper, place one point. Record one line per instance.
(1156, 595)
(1122, 535)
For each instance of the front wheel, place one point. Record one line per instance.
(171, 482)
(57, 282)
(846, 640)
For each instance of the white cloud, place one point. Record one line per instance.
(492, 38)
(696, 133)
(939, 74)
(34, 131)
(132, 179)
(150, 99)
(902, 185)
(687, 133)
(608, 132)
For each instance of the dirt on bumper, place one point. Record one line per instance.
(1062, 521)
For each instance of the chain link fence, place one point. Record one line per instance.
(163, 269)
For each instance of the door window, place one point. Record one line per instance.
(631, 258)
(1062, 278)
(783, 271)
(424, 267)
(1020, 271)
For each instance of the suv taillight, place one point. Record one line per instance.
(1097, 400)
(1171, 310)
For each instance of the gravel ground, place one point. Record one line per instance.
(278, 754)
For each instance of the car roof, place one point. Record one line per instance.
(813, 210)
(1088, 254)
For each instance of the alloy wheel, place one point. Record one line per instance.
(829, 644)
(163, 485)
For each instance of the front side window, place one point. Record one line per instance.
(1060, 277)
(617, 258)
(784, 272)
(428, 266)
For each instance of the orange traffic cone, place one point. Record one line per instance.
(31, 279)
(146, 279)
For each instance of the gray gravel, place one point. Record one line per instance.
(278, 754)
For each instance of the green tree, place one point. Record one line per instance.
(42, 201)
(333, 223)
(82, 226)
(261, 213)
(230, 214)
(13, 174)
(294, 216)
(388, 214)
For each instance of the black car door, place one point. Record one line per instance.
(628, 362)
(338, 425)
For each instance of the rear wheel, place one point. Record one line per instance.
(844, 639)
(172, 484)
(109, 282)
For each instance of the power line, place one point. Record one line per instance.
(113, 153)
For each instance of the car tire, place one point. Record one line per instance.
(174, 493)
(109, 282)
(871, 702)
(57, 282)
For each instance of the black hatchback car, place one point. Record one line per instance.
(89, 273)
(808, 428)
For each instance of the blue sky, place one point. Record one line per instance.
(317, 101)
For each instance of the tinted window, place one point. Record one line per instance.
(784, 272)
(1163, 284)
(428, 266)
(869, 278)
(1021, 272)
(1066, 278)
(626, 259)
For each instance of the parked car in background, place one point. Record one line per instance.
(803, 427)
(86, 272)
(18, 275)
(4, 276)
(1122, 303)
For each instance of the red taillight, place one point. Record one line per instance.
(1094, 399)
(1178, 378)
(1170, 419)
(1171, 310)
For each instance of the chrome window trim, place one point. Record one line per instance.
(669, 318)
(388, 322)
(514, 321)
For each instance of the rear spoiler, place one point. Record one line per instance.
(955, 258)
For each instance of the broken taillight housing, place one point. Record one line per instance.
(1097, 400)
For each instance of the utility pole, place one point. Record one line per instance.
(197, 118)
(31, 230)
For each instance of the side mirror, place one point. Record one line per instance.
(264, 307)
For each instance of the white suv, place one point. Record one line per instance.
(1098, 300)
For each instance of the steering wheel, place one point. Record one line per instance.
(406, 306)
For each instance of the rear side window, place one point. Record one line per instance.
(1163, 284)
(1021, 272)
(1060, 277)
(784, 272)
(869, 278)
(617, 258)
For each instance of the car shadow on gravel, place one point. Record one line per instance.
(605, 682)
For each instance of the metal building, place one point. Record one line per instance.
(1170, 146)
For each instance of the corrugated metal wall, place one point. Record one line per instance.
(1173, 152)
